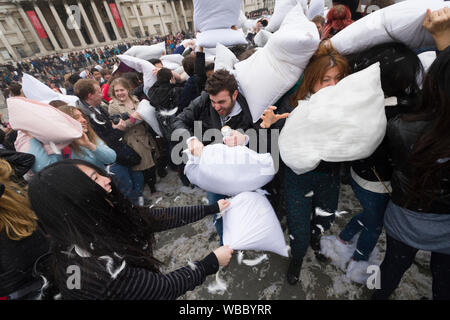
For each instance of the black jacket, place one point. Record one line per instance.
(380, 159)
(402, 135)
(201, 109)
(19, 161)
(17, 258)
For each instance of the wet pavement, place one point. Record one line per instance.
(267, 280)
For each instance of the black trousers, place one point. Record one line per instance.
(399, 257)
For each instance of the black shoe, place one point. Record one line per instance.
(162, 172)
(314, 241)
(293, 273)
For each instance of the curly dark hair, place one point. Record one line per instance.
(219, 81)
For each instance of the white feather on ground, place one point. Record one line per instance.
(256, 261)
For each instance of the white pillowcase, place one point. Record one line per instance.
(142, 66)
(262, 37)
(271, 71)
(229, 170)
(148, 113)
(344, 122)
(147, 52)
(400, 22)
(36, 90)
(250, 223)
(216, 14)
(227, 37)
(281, 10)
(225, 59)
(316, 8)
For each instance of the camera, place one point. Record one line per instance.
(264, 22)
(116, 117)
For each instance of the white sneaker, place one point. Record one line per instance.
(357, 271)
(338, 252)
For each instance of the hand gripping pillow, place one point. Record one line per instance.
(154, 51)
(36, 90)
(316, 8)
(148, 113)
(229, 170)
(262, 37)
(42, 121)
(281, 10)
(271, 71)
(344, 122)
(400, 22)
(225, 59)
(142, 66)
(216, 14)
(250, 223)
(227, 37)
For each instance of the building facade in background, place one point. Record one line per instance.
(42, 27)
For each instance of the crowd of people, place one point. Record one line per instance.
(53, 70)
(85, 206)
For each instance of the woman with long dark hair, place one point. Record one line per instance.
(93, 227)
(418, 215)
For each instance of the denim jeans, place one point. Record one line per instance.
(299, 208)
(218, 223)
(369, 221)
(129, 182)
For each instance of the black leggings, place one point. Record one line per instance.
(397, 260)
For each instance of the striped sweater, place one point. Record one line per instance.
(136, 283)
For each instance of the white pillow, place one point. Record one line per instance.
(147, 52)
(174, 58)
(148, 113)
(271, 71)
(229, 170)
(316, 8)
(262, 37)
(36, 90)
(225, 59)
(400, 22)
(344, 122)
(427, 58)
(280, 11)
(227, 37)
(246, 24)
(216, 14)
(170, 65)
(142, 66)
(250, 223)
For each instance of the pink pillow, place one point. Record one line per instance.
(42, 121)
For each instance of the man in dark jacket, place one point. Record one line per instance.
(219, 105)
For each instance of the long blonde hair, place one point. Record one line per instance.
(16, 216)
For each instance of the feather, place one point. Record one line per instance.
(218, 287)
(323, 213)
(168, 113)
(240, 256)
(309, 194)
(256, 261)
